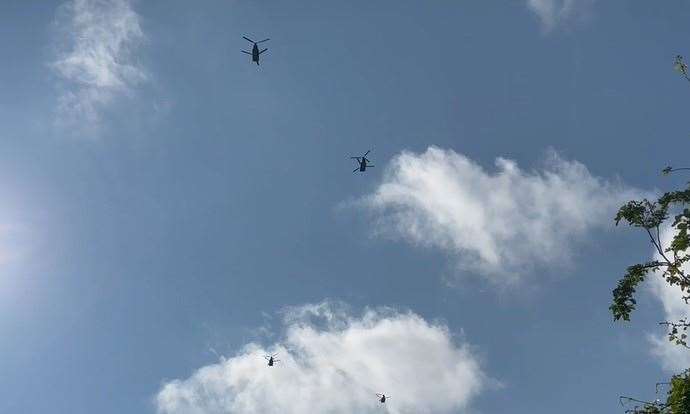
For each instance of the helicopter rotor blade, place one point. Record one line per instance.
(355, 158)
(244, 51)
(366, 153)
(248, 39)
(261, 41)
(355, 170)
(262, 51)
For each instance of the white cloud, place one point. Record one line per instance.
(499, 224)
(555, 12)
(673, 357)
(332, 362)
(96, 58)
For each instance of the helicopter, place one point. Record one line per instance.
(255, 49)
(363, 162)
(271, 359)
(382, 398)
(681, 67)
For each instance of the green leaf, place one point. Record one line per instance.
(623, 295)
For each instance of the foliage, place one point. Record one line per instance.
(677, 331)
(649, 216)
(677, 398)
(670, 209)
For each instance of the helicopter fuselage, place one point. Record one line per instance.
(255, 53)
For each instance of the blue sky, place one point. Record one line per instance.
(168, 206)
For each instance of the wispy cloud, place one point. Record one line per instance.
(499, 224)
(96, 58)
(551, 13)
(333, 362)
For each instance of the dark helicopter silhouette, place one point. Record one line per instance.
(363, 162)
(382, 398)
(255, 49)
(681, 67)
(271, 359)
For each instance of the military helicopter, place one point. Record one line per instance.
(271, 359)
(680, 66)
(382, 398)
(363, 162)
(255, 49)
